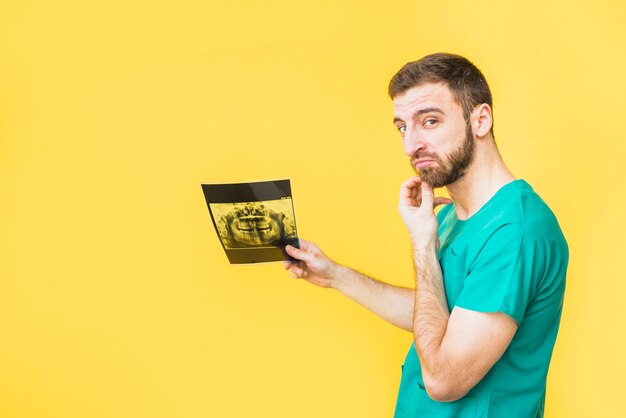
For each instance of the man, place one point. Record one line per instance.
(489, 267)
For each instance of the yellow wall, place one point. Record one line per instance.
(116, 299)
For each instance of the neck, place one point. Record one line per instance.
(485, 176)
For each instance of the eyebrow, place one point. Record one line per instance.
(421, 112)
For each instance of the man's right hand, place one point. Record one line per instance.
(313, 265)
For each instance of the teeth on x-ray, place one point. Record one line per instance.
(254, 224)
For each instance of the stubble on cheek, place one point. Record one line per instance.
(447, 171)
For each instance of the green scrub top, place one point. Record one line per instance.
(509, 257)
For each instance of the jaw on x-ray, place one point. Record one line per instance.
(252, 224)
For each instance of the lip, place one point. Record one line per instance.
(423, 163)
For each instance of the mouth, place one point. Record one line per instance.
(423, 163)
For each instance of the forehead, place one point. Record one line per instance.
(425, 96)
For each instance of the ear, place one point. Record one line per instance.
(481, 120)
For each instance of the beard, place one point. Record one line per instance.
(457, 163)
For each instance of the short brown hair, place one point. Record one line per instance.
(467, 84)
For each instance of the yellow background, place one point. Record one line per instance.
(116, 299)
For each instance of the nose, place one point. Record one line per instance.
(412, 142)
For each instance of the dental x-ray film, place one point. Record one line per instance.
(254, 221)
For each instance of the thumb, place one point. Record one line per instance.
(427, 196)
(299, 254)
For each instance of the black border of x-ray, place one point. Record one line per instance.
(251, 192)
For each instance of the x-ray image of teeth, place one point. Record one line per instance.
(254, 224)
(254, 221)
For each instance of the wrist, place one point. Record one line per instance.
(421, 246)
(337, 275)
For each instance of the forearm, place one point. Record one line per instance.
(431, 314)
(392, 303)
(456, 350)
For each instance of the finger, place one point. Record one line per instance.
(297, 272)
(287, 265)
(408, 191)
(298, 254)
(307, 246)
(407, 187)
(441, 201)
(427, 196)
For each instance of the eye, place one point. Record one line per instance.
(402, 129)
(430, 122)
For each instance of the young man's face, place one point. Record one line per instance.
(434, 133)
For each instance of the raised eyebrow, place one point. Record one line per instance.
(421, 112)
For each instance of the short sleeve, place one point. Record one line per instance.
(500, 278)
